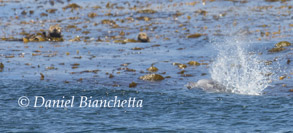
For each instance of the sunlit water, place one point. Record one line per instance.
(258, 103)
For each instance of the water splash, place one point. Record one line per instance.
(239, 71)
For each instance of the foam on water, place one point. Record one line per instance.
(238, 70)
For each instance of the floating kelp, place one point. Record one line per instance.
(282, 77)
(132, 85)
(97, 7)
(130, 41)
(127, 69)
(77, 57)
(182, 66)
(127, 41)
(76, 39)
(1, 67)
(71, 26)
(283, 44)
(276, 50)
(156, 45)
(143, 18)
(152, 69)
(36, 54)
(108, 22)
(42, 76)
(92, 15)
(152, 77)
(147, 11)
(86, 32)
(86, 71)
(111, 76)
(175, 64)
(51, 10)
(186, 75)
(182, 72)
(75, 65)
(196, 35)
(51, 68)
(39, 37)
(25, 40)
(110, 5)
(177, 14)
(137, 48)
(280, 46)
(201, 12)
(56, 39)
(125, 64)
(193, 63)
(43, 14)
(72, 6)
(23, 12)
(9, 56)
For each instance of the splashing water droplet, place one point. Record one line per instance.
(239, 71)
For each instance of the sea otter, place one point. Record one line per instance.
(55, 31)
(143, 37)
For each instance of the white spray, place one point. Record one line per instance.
(239, 71)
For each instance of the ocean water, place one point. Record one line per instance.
(232, 49)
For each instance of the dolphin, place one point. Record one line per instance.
(207, 85)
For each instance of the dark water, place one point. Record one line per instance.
(168, 106)
(172, 110)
